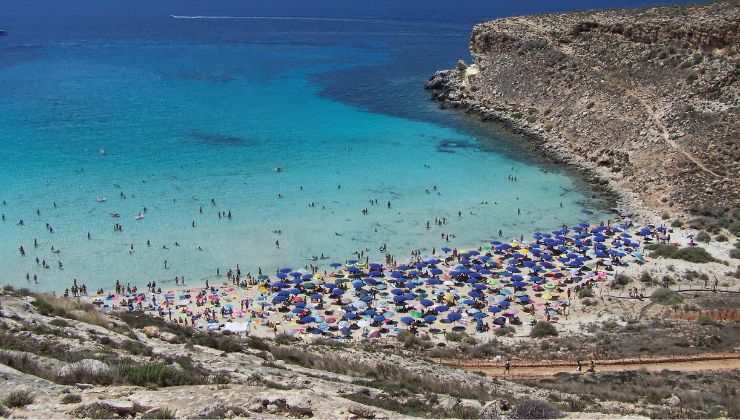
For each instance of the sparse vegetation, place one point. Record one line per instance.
(500, 332)
(162, 413)
(71, 399)
(690, 254)
(646, 278)
(543, 329)
(18, 398)
(703, 237)
(666, 297)
(535, 409)
(621, 280)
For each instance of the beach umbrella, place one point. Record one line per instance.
(415, 314)
(494, 309)
(441, 308)
(357, 284)
(426, 302)
(307, 320)
(454, 316)
(446, 249)
(285, 270)
(430, 319)
(407, 320)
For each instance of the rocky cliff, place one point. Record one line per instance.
(647, 99)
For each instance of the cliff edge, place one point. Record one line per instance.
(647, 99)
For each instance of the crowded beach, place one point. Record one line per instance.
(495, 286)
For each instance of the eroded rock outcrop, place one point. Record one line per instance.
(647, 99)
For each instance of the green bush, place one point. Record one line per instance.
(543, 329)
(621, 280)
(676, 223)
(71, 399)
(157, 374)
(162, 413)
(646, 278)
(500, 332)
(411, 341)
(19, 398)
(667, 297)
(703, 237)
(691, 254)
(535, 409)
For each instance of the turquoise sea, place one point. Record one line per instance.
(168, 114)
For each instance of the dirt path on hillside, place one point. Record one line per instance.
(525, 369)
(658, 122)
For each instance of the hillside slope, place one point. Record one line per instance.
(647, 99)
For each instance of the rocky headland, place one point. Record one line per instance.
(647, 100)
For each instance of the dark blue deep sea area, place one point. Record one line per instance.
(293, 116)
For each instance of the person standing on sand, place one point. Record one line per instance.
(507, 367)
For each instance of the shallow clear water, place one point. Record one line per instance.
(208, 110)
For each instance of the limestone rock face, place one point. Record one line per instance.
(647, 99)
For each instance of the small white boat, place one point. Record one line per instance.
(139, 216)
(101, 199)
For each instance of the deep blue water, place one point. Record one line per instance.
(112, 102)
